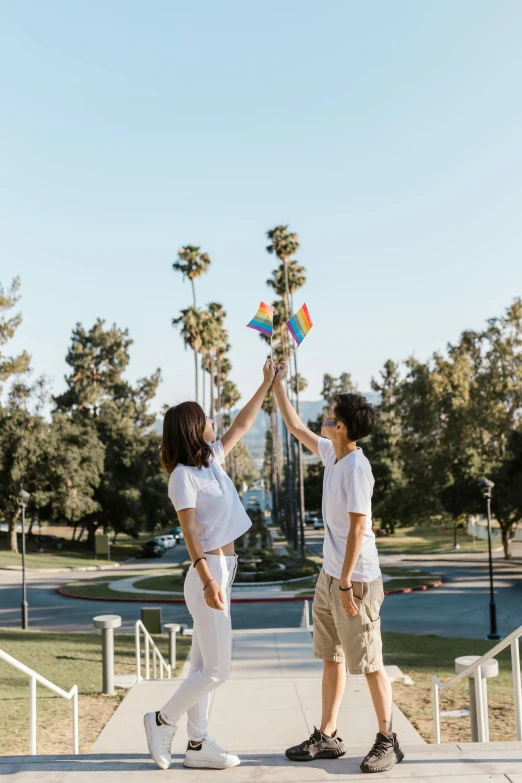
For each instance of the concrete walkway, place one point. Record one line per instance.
(271, 701)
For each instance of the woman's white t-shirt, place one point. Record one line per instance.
(220, 514)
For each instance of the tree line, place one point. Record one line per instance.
(442, 426)
(93, 462)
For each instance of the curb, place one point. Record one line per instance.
(66, 570)
(63, 570)
(270, 599)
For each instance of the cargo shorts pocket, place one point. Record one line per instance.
(373, 644)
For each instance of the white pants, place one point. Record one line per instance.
(211, 651)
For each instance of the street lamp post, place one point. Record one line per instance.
(24, 497)
(486, 487)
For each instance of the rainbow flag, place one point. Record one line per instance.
(300, 324)
(263, 320)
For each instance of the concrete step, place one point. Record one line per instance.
(493, 762)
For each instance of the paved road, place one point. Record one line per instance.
(459, 608)
(51, 611)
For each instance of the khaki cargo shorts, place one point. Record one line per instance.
(340, 637)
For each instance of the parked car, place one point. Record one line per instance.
(152, 548)
(177, 532)
(319, 524)
(52, 542)
(168, 541)
(310, 519)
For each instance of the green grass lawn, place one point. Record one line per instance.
(65, 659)
(428, 540)
(74, 553)
(423, 656)
(167, 581)
(54, 559)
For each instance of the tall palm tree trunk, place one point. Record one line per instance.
(211, 385)
(217, 426)
(203, 384)
(273, 462)
(300, 466)
(196, 374)
(290, 483)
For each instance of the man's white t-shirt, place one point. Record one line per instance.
(220, 514)
(347, 487)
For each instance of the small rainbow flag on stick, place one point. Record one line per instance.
(300, 324)
(263, 320)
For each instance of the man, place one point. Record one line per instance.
(349, 590)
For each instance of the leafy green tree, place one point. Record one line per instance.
(382, 448)
(70, 471)
(23, 432)
(10, 365)
(132, 488)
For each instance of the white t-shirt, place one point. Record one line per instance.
(220, 514)
(347, 487)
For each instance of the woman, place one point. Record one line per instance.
(212, 517)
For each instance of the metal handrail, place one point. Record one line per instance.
(155, 654)
(34, 678)
(475, 669)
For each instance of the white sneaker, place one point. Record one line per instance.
(159, 739)
(210, 756)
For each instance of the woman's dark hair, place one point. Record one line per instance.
(182, 442)
(356, 413)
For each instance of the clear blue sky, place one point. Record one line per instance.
(387, 134)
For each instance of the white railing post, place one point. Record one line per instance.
(479, 700)
(75, 720)
(147, 661)
(517, 688)
(305, 617)
(138, 652)
(32, 716)
(157, 657)
(34, 678)
(436, 711)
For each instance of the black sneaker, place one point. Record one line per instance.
(384, 754)
(319, 746)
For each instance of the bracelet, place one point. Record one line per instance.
(197, 561)
(344, 589)
(209, 581)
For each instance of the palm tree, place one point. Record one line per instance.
(192, 325)
(230, 397)
(192, 263)
(284, 244)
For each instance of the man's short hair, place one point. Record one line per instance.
(356, 413)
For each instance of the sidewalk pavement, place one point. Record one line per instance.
(271, 701)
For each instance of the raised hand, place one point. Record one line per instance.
(269, 371)
(281, 372)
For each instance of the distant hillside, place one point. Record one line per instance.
(255, 439)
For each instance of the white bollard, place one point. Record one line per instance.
(107, 623)
(489, 669)
(173, 629)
